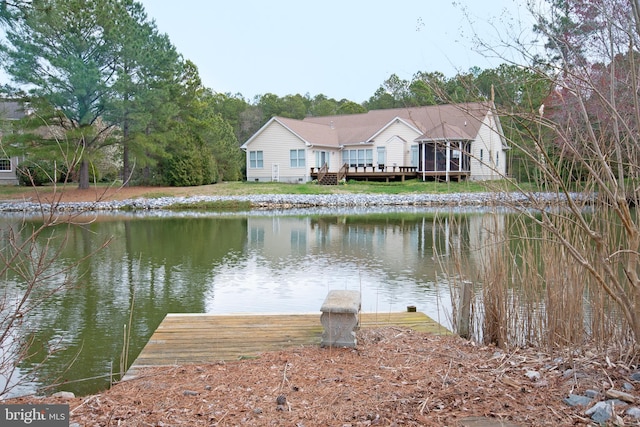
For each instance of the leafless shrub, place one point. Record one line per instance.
(30, 252)
(572, 277)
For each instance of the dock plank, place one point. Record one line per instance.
(206, 338)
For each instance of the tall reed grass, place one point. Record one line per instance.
(531, 289)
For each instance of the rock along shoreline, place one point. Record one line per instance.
(286, 201)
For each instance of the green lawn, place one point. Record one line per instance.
(369, 187)
(245, 188)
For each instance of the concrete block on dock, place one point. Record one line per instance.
(340, 318)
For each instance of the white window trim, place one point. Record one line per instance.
(10, 163)
(297, 159)
(256, 160)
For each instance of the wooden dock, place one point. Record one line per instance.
(204, 338)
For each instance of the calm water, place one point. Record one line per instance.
(255, 262)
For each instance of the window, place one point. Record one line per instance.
(358, 158)
(382, 155)
(297, 158)
(5, 164)
(256, 160)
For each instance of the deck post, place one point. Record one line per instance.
(464, 310)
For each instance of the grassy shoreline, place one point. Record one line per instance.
(249, 188)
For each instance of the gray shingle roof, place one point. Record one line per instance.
(445, 131)
(313, 133)
(455, 121)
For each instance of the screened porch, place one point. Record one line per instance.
(448, 159)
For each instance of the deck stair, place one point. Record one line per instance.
(329, 178)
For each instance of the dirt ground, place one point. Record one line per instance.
(395, 377)
(73, 194)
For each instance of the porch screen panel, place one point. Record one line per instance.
(441, 158)
(429, 157)
(466, 158)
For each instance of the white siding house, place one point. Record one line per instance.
(277, 153)
(8, 170)
(462, 140)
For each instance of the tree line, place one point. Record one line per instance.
(114, 99)
(513, 88)
(110, 97)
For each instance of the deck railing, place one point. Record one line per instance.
(322, 172)
(383, 172)
(342, 173)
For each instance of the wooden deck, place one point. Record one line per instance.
(399, 174)
(205, 338)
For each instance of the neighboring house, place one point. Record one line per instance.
(461, 141)
(9, 111)
(15, 110)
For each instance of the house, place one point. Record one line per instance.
(53, 131)
(9, 111)
(456, 141)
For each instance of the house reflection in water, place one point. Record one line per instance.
(394, 260)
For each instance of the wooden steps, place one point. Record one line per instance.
(330, 178)
(206, 338)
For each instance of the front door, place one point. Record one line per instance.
(414, 155)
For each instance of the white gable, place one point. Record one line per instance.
(275, 141)
(488, 158)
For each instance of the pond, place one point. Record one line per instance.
(284, 262)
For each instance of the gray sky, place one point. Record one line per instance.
(343, 49)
